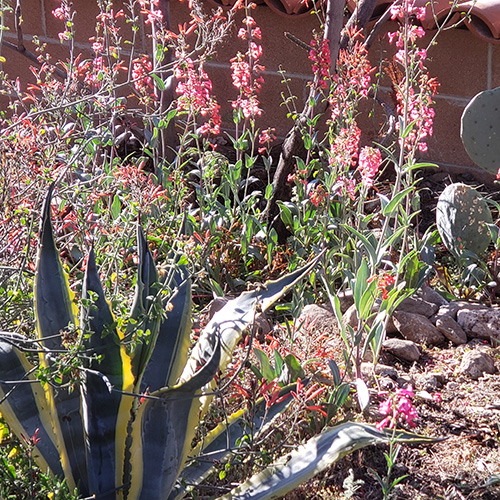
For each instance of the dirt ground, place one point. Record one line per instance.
(466, 465)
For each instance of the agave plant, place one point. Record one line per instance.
(120, 421)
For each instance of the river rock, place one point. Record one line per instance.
(417, 328)
(346, 299)
(476, 363)
(380, 370)
(482, 323)
(402, 349)
(451, 330)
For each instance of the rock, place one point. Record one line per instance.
(417, 305)
(450, 310)
(430, 295)
(380, 370)
(451, 330)
(482, 323)
(417, 328)
(427, 382)
(476, 363)
(216, 305)
(319, 317)
(402, 349)
(387, 384)
(350, 317)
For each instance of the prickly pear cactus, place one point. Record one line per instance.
(461, 217)
(480, 130)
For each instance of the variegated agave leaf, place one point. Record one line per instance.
(23, 403)
(225, 438)
(55, 313)
(313, 457)
(239, 313)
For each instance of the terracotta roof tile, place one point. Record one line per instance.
(483, 21)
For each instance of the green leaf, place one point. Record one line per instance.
(312, 458)
(362, 275)
(116, 207)
(266, 369)
(159, 83)
(389, 210)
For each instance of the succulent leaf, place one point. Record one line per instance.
(313, 457)
(145, 309)
(162, 433)
(480, 130)
(239, 313)
(105, 412)
(221, 441)
(462, 217)
(24, 405)
(170, 352)
(55, 312)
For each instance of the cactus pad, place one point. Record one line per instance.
(462, 216)
(480, 130)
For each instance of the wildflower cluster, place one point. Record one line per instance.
(319, 55)
(369, 163)
(383, 282)
(64, 13)
(414, 103)
(194, 89)
(247, 71)
(398, 408)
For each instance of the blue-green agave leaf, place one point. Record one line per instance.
(24, 405)
(221, 441)
(162, 433)
(170, 351)
(313, 457)
(54, 313)
(230, 322)
(146, 309)
(104, 424)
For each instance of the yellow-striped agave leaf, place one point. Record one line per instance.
(313, 457)
(23, 403)
(55, 314)
(229, 322)
(146, 310)
(169, 355)
(103, 406)
(226, 438)
(162, 433)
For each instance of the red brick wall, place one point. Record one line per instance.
(463, 64)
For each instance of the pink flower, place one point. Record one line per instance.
(370, 160)
(319, 56)
(385, 407)
(140, 69)
(194, 88)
